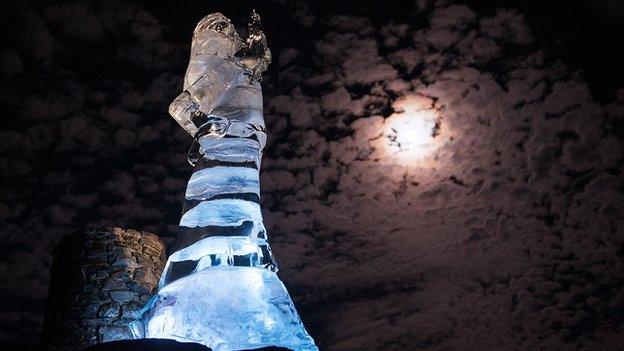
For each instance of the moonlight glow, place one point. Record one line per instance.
(410, 134)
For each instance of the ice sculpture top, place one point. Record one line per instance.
(221, 85)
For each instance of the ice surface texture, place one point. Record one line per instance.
(228, 308)
(224, 213)
(220, 287)
(207, 183)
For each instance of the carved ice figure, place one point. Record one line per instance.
(220, 287)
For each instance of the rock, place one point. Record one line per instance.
(100, 281)
(90, 311)
(113, 284)
(123, 295)
(130, 310)
(141, 288)
(151, 251)
(96, 254)
(122, 275)
(92, 271)
(109, 310)
(146, 275)
(126, 263)
(120, 252)
(151, 239)
(114, 333)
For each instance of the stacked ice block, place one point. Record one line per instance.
(220, 287)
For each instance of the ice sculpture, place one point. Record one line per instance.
(220, 287)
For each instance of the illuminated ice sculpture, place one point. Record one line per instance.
(220, 287)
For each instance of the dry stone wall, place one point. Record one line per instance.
(100, 280)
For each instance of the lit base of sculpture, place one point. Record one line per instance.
(146, 345)
(226, 308)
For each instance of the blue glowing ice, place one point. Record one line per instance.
(224, 213)
(246, 308)
(230, 150)
(220, 286)
(221, 251)
(208, 182)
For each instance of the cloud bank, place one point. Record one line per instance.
(508, 235)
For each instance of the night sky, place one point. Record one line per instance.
(507, 235)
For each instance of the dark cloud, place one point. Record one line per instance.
(508, 237)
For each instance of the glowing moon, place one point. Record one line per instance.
(410, 134)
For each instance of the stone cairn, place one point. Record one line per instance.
(100, 280)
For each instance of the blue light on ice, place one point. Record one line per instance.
(220, 287)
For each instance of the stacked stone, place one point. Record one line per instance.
(100, 280)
